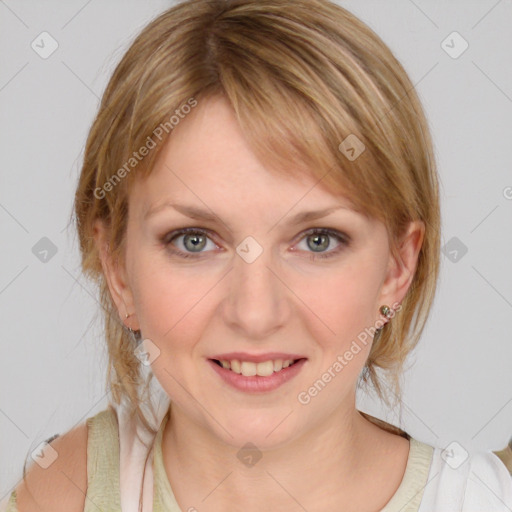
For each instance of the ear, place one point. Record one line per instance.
(115, 275)
(401, 270)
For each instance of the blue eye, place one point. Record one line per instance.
(321, 240)
(194, 240)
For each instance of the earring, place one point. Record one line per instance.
(386, 311)
(136, 335)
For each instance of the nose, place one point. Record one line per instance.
(257, 300)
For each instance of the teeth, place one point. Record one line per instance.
(264, 369)
(249, 369)
(278, 365)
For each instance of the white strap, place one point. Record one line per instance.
(445, 486)
(132, 452)
(481, 483)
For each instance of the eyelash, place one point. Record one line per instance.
(341, 237)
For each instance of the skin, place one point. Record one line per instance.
(320, 455)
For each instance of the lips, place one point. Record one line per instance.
(249, 381)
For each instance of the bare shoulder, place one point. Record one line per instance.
(62, 485)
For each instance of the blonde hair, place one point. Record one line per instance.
(301, 76)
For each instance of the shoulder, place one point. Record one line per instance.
(489, 482)
(59, 481)
(62, 483)
(468, 482)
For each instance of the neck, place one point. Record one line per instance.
(327, 461)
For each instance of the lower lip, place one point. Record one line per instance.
(256, 383)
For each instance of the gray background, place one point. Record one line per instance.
(53, 358)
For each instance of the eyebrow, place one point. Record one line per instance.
(204, 215)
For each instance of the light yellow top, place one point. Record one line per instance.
(103, 491)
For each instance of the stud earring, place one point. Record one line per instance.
(386, 311)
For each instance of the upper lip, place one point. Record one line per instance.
(257, 358)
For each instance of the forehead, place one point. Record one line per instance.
(207, 160)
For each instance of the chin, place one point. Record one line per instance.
(265, 431)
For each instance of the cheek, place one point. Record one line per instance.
(341, 305)
(171, 315)
(170, 303)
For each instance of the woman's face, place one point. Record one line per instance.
(250, 283)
